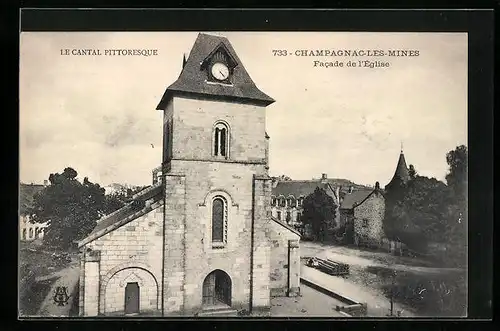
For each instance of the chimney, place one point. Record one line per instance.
(45, 182)
(377, 186)
(350, 189)
(324, 178)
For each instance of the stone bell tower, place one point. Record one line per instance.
(216, 185)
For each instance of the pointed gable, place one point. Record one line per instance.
(193, 78)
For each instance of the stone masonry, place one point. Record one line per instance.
(167, 247)
(370, 232)
(132, 248)
(282, 262)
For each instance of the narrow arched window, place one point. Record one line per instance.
(221, 140)
(31, 233)
(167, 141)
(219, 221)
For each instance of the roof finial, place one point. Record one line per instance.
(184, 60)
(401, 147)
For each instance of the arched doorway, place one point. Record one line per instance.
(217, 289)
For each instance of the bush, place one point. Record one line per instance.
(431, 295)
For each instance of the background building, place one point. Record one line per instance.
(29, 231)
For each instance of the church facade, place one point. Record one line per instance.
(201, 240)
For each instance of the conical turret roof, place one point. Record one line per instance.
(401, 174)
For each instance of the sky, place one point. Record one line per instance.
(97, 113)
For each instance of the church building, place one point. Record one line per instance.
(201, 239)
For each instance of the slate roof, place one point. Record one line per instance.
(192, 80)
(288, 227)
(303, 188)
(126, 214)
(353, 199)
(26, 195)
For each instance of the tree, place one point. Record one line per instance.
(72, 208)
(418, 214)
(426, 209)
(412, 172)
(456, 178)
(319, 212)
(116, 200)
(457, 216)
(282, 178)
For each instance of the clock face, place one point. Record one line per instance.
(220, 71)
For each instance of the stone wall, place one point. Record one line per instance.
(115, 290)
(174, 244)
(203, 181)
(193, 124)
(262, 245)
(372, 210)
(137, 244)
(189, 203)
(280, 260)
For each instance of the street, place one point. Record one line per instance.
(361, 285)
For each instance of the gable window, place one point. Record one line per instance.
(300, 201)
(219, 221)
(221, 140)
(273, 201)
(291, 202)
(282, 202)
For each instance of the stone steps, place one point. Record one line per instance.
(222, 312)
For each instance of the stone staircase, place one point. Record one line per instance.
(219, 312)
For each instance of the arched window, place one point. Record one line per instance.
(221, 140)
(23, 237)
(291, 202)
(273, 201)
(31, 233)
(219, 221)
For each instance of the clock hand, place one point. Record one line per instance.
(223, 75)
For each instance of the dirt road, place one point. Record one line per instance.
(67, 277)
(361, 285)
(370, 259)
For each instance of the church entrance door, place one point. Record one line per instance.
(132, 298)
(217, 289)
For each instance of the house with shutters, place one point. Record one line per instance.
(201, 240)
(287, 197)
